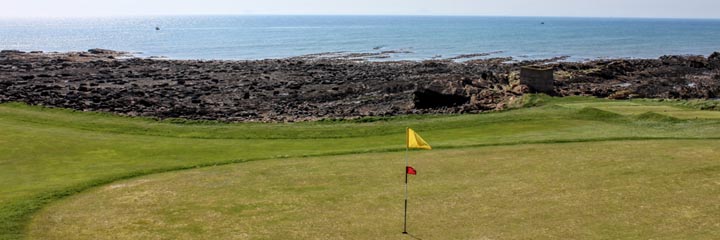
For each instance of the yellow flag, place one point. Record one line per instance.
(414, 141)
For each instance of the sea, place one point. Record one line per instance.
(404, 37)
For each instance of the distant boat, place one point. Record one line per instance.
(543, 23)
(157, 28)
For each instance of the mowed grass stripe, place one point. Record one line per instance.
(375, 126)
(599, 190)
(104, 122)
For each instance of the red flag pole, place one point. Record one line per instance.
(407, 164)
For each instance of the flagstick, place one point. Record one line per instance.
(407, 149)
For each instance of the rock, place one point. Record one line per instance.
(429, 99)
(101, 51)
(697, 62)
(622, 94)
(301, 90)
(689, 61)
(714, 60)
(11, 52)
(440, 93)
(715, 56)
(520, 89)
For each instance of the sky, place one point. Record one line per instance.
(571, 8)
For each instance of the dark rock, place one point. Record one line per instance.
(714, 56)
(11, 52)
(310, 89)
(102, 51)
(440, 94)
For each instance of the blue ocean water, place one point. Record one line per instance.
(425, 37)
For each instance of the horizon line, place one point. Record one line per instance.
(348, 15)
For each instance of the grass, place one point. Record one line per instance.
(608, 190)
(677, 110)
(49, 154)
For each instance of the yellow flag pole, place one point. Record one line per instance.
(407, 164)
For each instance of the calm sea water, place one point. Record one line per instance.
(259, 37)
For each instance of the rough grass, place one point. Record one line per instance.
(49, 154)
(604, 190)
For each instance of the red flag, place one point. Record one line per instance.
(411, 171)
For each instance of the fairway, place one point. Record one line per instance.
(577, 168)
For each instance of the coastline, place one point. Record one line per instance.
(418, 37)
(314, 87)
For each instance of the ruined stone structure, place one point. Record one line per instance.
(538, 79)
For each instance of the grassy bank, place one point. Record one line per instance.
(48, 154)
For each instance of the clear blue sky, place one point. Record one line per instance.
(582, 8)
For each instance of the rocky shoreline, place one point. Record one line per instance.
(307, 88)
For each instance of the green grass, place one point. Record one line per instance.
(49, 154)
(671, 109)
(608, 190)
